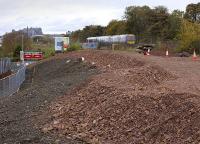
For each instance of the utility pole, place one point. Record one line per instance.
(22, 42)
(22, 49)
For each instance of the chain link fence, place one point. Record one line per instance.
(11, 84)
(5, 64)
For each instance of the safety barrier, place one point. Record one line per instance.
(11, 84)
(4, 65)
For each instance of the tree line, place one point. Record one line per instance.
(13, 43)
(152, 25)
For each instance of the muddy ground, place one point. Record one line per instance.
(111, 98)
(44, 83)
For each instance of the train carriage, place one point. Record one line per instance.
(121, 39)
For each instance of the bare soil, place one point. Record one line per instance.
(111, 98)
(135, 99)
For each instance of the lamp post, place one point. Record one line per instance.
(22, 52)
(22, 42)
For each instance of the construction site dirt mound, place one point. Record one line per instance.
(105, 97)
(126, 103)
(107, 59)
(113, 117)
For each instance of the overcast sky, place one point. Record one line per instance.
(59, 16)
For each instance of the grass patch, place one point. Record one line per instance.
(74, 47)
(48, 52)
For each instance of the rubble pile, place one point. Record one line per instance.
(126, 103)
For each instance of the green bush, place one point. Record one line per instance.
(74, 47)
(48, 52)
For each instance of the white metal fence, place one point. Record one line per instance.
(5, 64)
(11, 84)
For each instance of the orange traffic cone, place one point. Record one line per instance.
(194, 57)
(167, 52)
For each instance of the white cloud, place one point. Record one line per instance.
(56, 16)
(59, 16)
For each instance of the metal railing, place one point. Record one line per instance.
(5, 64)
(11, 84)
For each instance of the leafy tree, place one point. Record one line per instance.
(159, 23)
(74, 37)
(116, 27)
(193, 12)
(88, 31)
(14, 39)
(137, 19)
(150, 25)
(189, 36)
(173, 25)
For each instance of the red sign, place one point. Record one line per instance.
(33, 55)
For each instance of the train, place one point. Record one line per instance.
(115, 39)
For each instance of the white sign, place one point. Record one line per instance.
(61, 43)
